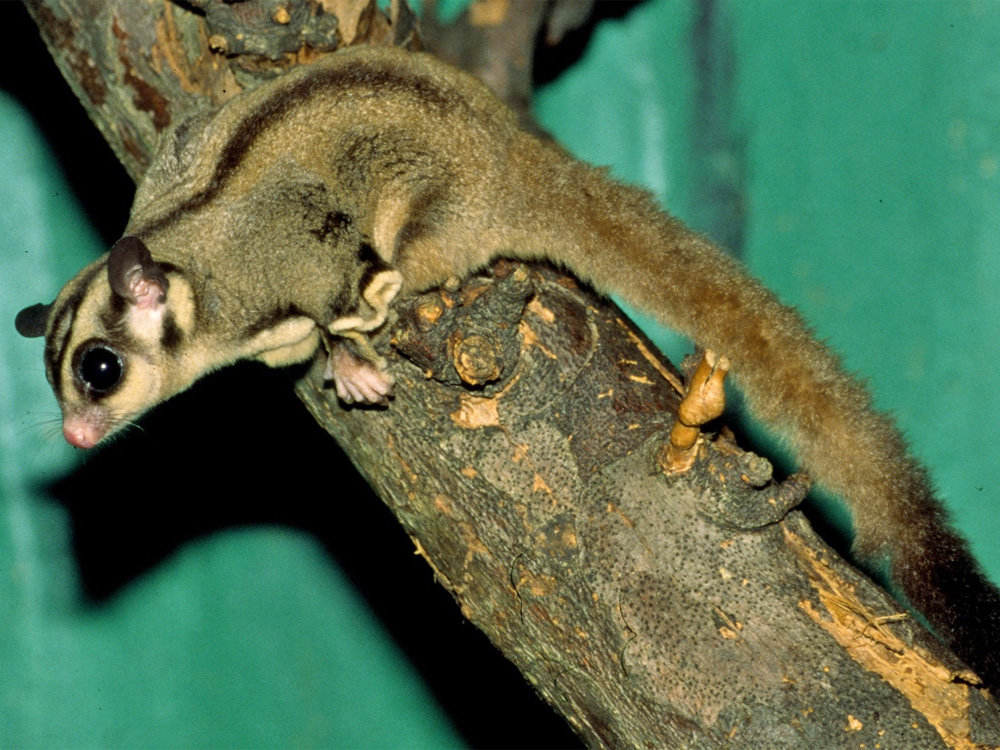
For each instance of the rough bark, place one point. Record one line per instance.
(521, 454)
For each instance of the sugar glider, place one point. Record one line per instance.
(295, 214)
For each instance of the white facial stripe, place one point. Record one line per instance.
(146, 324)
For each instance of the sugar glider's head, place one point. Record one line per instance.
(112, 338)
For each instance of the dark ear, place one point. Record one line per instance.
(134, 275)
(31, 321)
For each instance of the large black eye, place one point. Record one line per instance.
(100, 369)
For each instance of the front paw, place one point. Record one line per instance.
(357, 380)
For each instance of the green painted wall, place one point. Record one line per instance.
(849, 151)
(855, 146)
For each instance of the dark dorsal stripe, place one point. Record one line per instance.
(357, 75)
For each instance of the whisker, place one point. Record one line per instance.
(38, 420)
(122, 425)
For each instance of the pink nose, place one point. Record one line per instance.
(80, 434)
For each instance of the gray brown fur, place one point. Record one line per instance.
(275, 215)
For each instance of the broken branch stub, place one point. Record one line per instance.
(704, 400)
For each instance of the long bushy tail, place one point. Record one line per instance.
(615, 237)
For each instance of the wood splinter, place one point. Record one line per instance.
(704, 401)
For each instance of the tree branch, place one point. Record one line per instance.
(522, 455)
